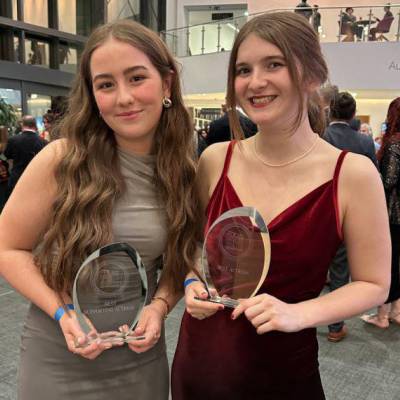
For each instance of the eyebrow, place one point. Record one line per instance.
(267, 58)
(125, 72)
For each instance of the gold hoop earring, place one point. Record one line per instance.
(166, 102)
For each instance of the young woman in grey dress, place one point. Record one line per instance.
(123, 171)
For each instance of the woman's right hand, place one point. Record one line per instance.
(77, 340)
(197, 308)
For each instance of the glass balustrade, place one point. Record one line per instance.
(333, 24)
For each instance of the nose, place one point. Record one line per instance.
(124, 95)
(258, 79)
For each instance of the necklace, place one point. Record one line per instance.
(309, 150)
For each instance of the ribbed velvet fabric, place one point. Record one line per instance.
(217, 358)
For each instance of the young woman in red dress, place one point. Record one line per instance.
(312, 197)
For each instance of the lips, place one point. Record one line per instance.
(262, 100)
(128, 114)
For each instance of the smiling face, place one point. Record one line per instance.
(263, 86)
(128, 90)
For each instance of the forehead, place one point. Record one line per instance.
(115, 55)
(253, 48)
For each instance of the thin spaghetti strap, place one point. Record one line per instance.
(228, 157)
(339, 163)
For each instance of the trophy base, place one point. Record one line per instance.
(225, 301)
(110, 337)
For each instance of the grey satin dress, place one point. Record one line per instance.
(48, 371)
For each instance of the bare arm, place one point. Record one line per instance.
(367, 239)
(22, 223)
(366, 234)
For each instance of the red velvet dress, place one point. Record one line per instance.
(217, 358)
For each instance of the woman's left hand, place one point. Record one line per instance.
(267, 313)
(149, 326)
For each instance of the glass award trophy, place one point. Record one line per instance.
(236, 256)
(109, 292)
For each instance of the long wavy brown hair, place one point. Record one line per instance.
(89, 178)
(392, 126)
(299, 44)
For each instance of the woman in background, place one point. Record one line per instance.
(389, 162)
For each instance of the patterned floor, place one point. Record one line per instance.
(365, 366)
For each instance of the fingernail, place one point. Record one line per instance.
(232, 316)
(221, 307)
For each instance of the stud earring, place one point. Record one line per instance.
(166, 102)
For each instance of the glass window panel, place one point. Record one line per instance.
(14, 10)
(37, 53)
(117, 9)
(38, 105)
(68, 59)
(67, 16)
(36, 12)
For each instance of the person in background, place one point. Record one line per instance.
(4, 173)
(304, 9)
(220, 131)
(316, 18)
(311, 196)
(201, 140)
(389, 163)
(22, 148)
(341, 135)
(348, 24)
(387, 16)
(366, 129)
(123, 172)
(48, 120)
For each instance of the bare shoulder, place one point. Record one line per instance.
(212, 160)
(358, 170)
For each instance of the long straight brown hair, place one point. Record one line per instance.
(89, 178)
(299, 44)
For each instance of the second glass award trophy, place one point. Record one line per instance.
(109, 292)
(236, 256)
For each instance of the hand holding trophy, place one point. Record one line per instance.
(235, 257)
(109, 293)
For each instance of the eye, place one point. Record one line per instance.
(242, 71)
(104, 85)
(137, 78)
(275, 65)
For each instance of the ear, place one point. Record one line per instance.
(167, 84)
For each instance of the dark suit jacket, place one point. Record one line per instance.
(343, 137)
(21, 149)
(220, 131)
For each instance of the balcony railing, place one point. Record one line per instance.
(334, 24)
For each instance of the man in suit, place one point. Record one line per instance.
(341, 135)
(220, 131)
(22, 148)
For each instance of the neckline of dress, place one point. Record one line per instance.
(286, 209)
(147, 158)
